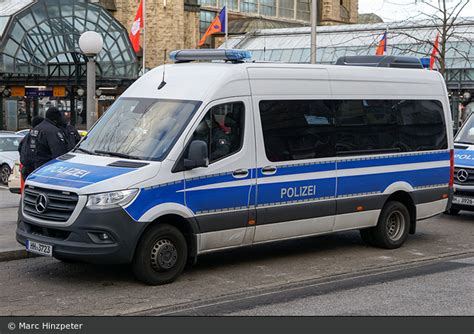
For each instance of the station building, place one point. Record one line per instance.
(41, 63)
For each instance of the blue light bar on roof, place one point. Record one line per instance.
(210, 54)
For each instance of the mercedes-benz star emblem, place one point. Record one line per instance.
(462, 175)
(41, 203)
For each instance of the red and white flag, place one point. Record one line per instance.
(434, 52)
(136, 26)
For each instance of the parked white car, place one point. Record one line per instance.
(8, 154)
(14, 181)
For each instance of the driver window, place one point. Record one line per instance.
(222, 129)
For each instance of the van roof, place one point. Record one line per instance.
(206, 81)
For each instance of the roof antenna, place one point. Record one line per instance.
(163, 82)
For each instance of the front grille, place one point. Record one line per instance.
(47, 232)
(59, 207)
(469, 181)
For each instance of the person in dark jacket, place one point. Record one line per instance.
(23, 149)
(47, 140)
(72, 136)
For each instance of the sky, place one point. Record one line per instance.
(399, 10)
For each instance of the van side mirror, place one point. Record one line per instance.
(197, 155)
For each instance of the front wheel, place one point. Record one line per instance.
(5, 174)
(393, 225)
(161, 255)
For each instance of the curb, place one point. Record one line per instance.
(15, 254)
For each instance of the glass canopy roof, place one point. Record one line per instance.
(293, 44)
(38, 34)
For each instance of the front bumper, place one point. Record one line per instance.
(463, 191)
(80, 241)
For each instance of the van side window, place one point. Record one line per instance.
(366, 125)
(422, 125)
(376, 126)
(297, 129)
(222, 129)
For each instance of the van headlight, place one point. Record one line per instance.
(111, 199)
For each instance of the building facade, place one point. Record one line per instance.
(177, 24)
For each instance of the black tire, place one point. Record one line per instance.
(367, 236)
(393, 226)
(452, 212)
(167, 241)
(5, 172)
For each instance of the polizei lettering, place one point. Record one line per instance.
(295, 192)
(76, 172)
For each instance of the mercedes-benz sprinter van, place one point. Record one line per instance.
(211, 156)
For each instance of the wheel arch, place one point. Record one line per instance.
(186, 225)
(406, 199)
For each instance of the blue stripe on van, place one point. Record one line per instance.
(277, 192)
(351, 185)
(74, 175)
(151, 197)
(387, 161)
(209, 200)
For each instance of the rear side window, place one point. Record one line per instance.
(366, 125)
(389, 126)
(308, 129)
(297, 129)
(422, 125)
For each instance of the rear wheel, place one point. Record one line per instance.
(5, 172)
(161, 255)
(393, 226)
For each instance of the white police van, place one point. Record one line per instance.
(464, 168)
(210, 156)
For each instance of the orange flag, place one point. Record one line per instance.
(382, 45)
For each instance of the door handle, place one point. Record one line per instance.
(240, 173)
(269, 170)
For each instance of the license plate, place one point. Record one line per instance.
(39, 248)
(463, 200)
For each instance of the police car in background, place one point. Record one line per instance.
(464, 168)
(216, 155)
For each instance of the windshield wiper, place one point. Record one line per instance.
(116, 154)
(84, 150)
(463, 142)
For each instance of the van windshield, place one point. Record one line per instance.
(466, 134)
(136, 128)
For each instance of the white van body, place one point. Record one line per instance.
(244, 198)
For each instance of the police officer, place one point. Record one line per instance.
(47, 140)
(26, 163)
(72, 135)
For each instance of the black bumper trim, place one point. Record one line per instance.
(74, 241)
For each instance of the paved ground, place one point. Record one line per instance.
(440, 288)
(45, 286)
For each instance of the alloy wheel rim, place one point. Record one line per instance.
(4, 175)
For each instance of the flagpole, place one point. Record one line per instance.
(144, 35)
(226, 21)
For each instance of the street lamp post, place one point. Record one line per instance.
(314, 22)
(91, 44)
